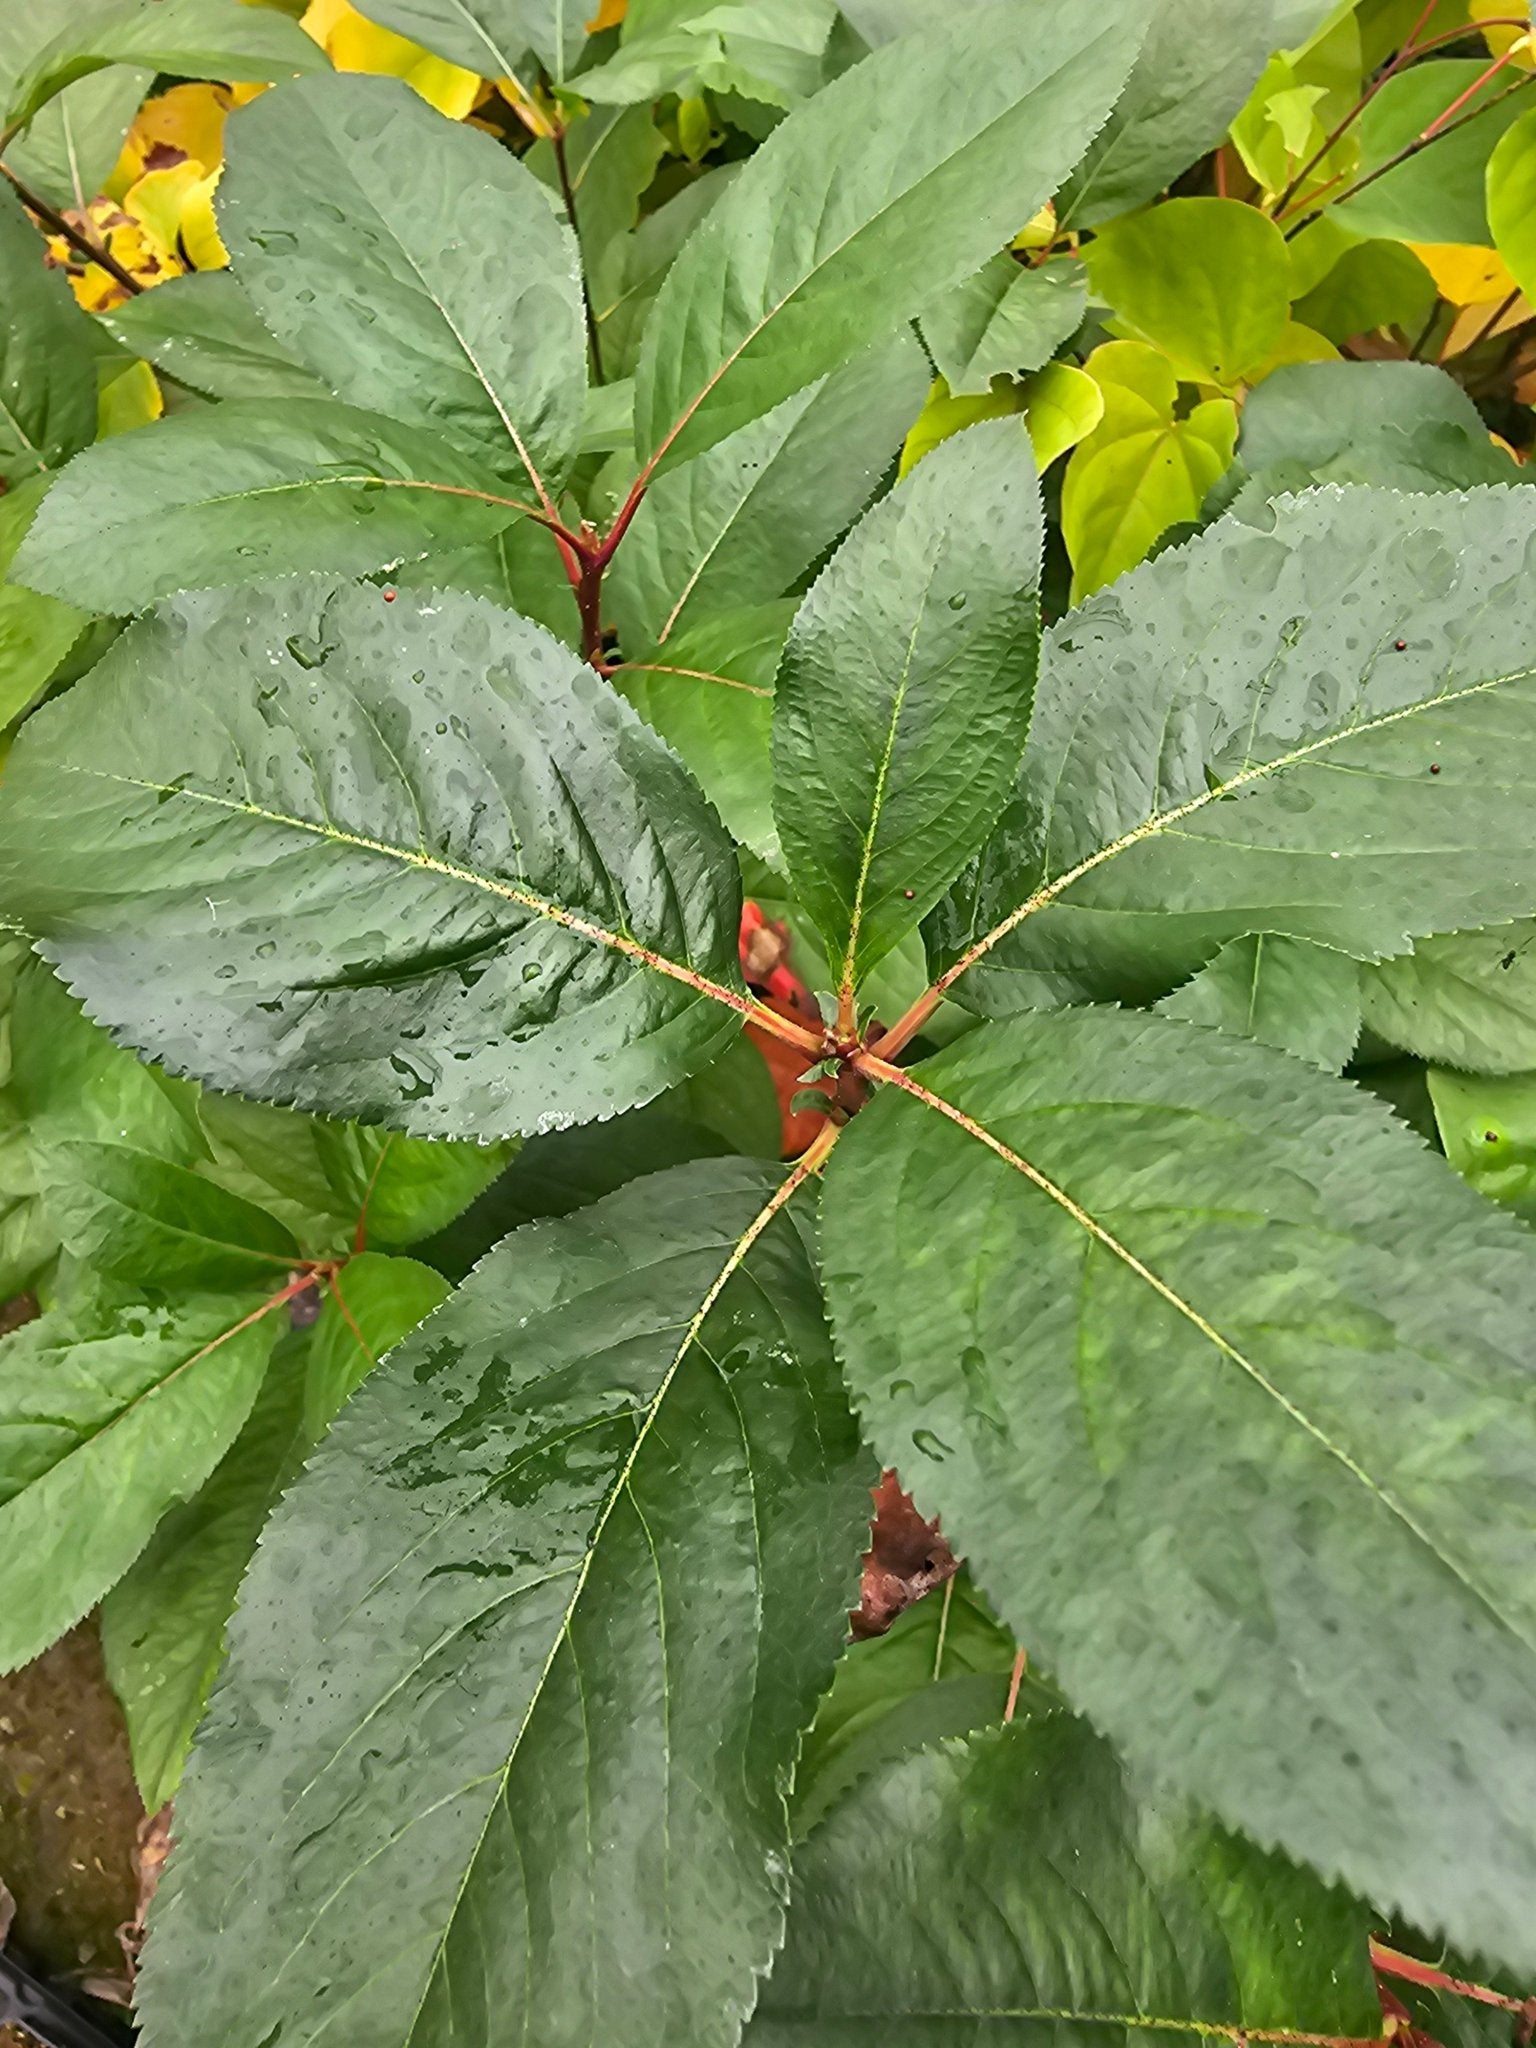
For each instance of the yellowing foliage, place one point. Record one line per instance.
(353, 43)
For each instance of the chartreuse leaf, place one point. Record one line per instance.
(1142, 468)
(904, 695)
(220, 495)
(416, 267)
(1465, 999)
(187, 38)
(1292, 726)
(709, 693)
(1511, 197)
(741, 522)
(407, 860)
(47, 370)
(1487, 1124)
(203, 330)
(579, 1553)
(1440, 193)
(1057, 407)
(1139, 1370)
(1004, 321)
(894, 182)
(109, 1414)
(1283, 992)
(162, 1626)
(1205, 280)
(1020, 1888)
(1185, 87)
(36, 632)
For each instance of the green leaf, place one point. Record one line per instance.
(1139, 1372)
(611, 157)
(942, 1669)
(432, 281)
(1406, 425)
(595, 1629)
(1439, 194)
(1005, 320)
(904, 695)
(1487, 1124)
(124, 1211)
(1284, 992)
(68, 150)
(242, 490)
(518, 570)
(1143, 468)
(162, 1626)
(1374, 284)
(744, 520)
(1511, 197)
(187, 38)
(203, 331)
(1465, 999)
(108, 1416)
(1205, 280)
(709, 693)
(1020, 1888)
(766, 50)
(1304, 722)
(1189, 81)
(245, 841)
(960, 134)
(47, 370)
(491, 37)
(624, 289)
(36, 632)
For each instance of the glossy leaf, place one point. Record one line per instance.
(1463, 999)
(1293, 725)
(896, 181)
(1406, 425)
(1205, 280)
(36, 632)
(742, 522)
(495, 926)
(1487, 1124)
(1005, 320)
(1439, 194)
(1139, 1372)
(904, 695)
(1511, 196)
(162, 1626)
(109, 1415)
(580, 1554)
(203, 331)
(709, 693)
(217, 497)
(1191, 77)
(417, 268)
(47, 373)
(1283, 992)
(1018, 1888)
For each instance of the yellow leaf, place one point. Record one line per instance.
(353, 43)
(1039, 231)
(1298, 344)
(609, 14)
(1062, 406)
(185, 123)
(1464, 274)
(130, 399)
(1499, 40)
(944, 415)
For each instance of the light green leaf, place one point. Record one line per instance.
(1005, 320)
(709, 693)
(1511, 198)
(251, 489)
(1019, 1888)
(1293, 725)
(743, 521)
(372, 1305)
(596, 1630)
(1140, 1372)
(416, 267)
(1284, 992)
(187, 38)
(1439, 194)
(897, 180)
(1463, 999)
(69, 148)
(47, 371)
(124, 1211)
(504, 924)
(1143, 468)
(1487, 1124)
(766, 50)
(1062, 406)
(904, 695)
(36, 632)
(1205, 280)
(1192, 76)
(1406, 425)
(1373, 284)
(203, 331)
(108, 1416)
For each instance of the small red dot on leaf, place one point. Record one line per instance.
(390, 596)
(1400, 645)
(909, 894)
(1434, 767)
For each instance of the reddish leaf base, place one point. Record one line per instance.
(765, 951)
